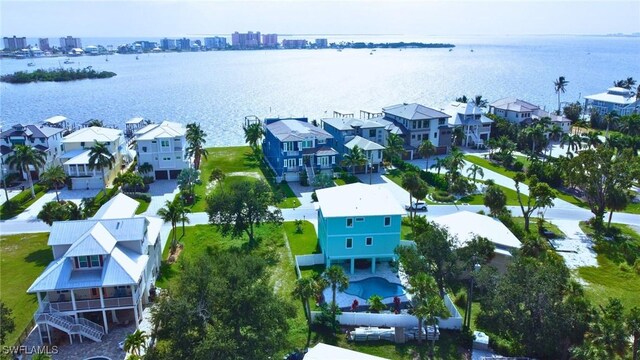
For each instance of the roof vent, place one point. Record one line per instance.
(118, 225)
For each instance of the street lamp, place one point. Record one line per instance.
(467, 314)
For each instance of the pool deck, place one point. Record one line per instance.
(383, 270)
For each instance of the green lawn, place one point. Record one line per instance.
(4, 215)
(239, 160)
(533, 224)
(302, 243)
(478, 199)
(614, 276)
(632, 208)
(489, 165)
(23, 258)
(144, 205)
(340, 182)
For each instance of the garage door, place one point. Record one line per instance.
(173, 174)
(161, 175)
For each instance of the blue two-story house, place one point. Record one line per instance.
(369, 135)
(294, 145)
(358, 222)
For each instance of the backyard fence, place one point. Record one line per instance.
(308, 260)
(454, 322)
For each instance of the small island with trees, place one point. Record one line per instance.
(56, 74)
(394, 45)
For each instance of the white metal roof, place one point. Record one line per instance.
(55, 119)
(164, 129)
(364, 144)
(414, 112)
(97, 241)
(67, 232)
(120, 206)
(323, 352)
(154, 225)
(77, 157)
(351, 123)
(135, 120)
(358, 200)
(93, 134)
(513, 104)
(465, 225)
(615, 95)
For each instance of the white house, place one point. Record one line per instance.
(465, 225)
(101, 273)
(476, 126)
(75, 158)
(620, 100)
(372, 151)
(520, 111)
(43, 138)
(164, 146)
(323, 351)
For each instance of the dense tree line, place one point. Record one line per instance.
(57, 75)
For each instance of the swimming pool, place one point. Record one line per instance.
(374, 286)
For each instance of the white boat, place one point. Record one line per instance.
(137, 57)
(31, 64)
(68, 61)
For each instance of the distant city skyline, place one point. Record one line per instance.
(94, 18)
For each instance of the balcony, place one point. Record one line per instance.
(291, 153)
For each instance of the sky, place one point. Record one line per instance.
(119, 18)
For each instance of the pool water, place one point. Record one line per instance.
(374, 286)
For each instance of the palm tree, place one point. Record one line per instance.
(100, 157)
(439, 164)
(411, 183)
(338, 281)
(217, 175)
(455, 162)
(54, 177)
(135, 342)
(475, 170)
(555, 132)
(304, 289)
(630, 125)
(592, 139)
(480, 102)
(570, 141)
(632, 324)
(615, 200)
(173, 212)
(463, 99)
(94, 122)
(535, 133)
(253, 133)
(23, 157)
(145, 168)
(427, 304)
(196, 138)
(457, 136)
(356, 157)
(395, 148)
(611, 119)
(560, 86)
(426, 149)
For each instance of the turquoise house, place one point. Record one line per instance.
(358, 222)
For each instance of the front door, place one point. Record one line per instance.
(323, 161)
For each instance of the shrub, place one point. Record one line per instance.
(304, 180)
(442, 196)
(435, 180)
(141, 196)
(314, 197)
(517, 166)
(461, 300)
(148, 179)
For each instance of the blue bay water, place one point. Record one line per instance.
(218, 89)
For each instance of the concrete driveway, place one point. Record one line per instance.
(65, 194)
(161, 191)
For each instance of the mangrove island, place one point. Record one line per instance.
(57, 75)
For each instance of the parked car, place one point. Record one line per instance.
(417, 205)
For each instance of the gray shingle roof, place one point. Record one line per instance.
(414, 112)
(295, 130)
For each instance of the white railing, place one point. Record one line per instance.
(310, 260)
(91, 325)
(71, 325)
(291, 152)
(118, 302)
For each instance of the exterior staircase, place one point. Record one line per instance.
(69, 324)
(311, 176)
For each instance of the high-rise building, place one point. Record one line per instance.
(15, 43)
(216, 42)
(183, 44)
(294, 44)
(43, 44)
(249, 40)
(321, 43)
(270, 41)
(168, 44)
(69, 42)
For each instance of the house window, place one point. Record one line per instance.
(82, 143)
(153, 142)
(333, 160)
(413, 136)
(95, 261)
(321, 141)
(435, 135)
(349, 243)
(167, 158)
(359, 219)
(419, 136)
(82, 262)
(164, 143)
(441, 121)
(368, 241)
(387, 221)
(299, 161)
(372, 132)
(349, 222)
(144, 149)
